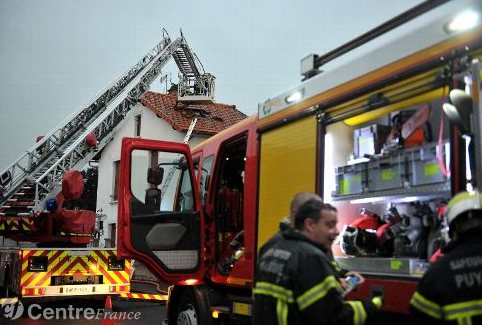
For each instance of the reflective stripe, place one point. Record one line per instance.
(463, 310)
(317, 292)
(282, 312)
(337, 267)
(426, 306)
(359, 313)
(464, 321)
(282, 295)
(269, 289)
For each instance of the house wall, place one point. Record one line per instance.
(152, 127)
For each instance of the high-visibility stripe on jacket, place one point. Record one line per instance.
(450, 292)
(297, 283)
(317, 292)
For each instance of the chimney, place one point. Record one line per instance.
(173, 89)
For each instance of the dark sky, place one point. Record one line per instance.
(56, 54)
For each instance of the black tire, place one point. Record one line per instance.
(4, 290)
(193, 308)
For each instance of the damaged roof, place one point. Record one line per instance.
(212, 117)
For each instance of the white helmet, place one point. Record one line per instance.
(461, 203)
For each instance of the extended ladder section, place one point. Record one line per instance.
(36, 176)
(193, 86)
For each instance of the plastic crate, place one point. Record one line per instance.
(423, 164)
(370, 139)
(386, 173)
(351, 179)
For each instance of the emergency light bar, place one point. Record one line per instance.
(462, 22)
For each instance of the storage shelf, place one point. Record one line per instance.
(432, 191)
(395, 267)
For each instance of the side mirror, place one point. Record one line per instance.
(460, 110)
(155, 175)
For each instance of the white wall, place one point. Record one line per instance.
(152, 127)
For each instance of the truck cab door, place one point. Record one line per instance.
(159, 214)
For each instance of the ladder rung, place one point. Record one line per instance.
(25, 204)
(17, 206)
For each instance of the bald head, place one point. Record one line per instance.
(298, 200)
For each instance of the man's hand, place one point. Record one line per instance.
(344, 283)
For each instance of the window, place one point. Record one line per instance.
(112, 231)
(137, 121)
(186, 199)
(161, 181)
(110, 241)
(115, 189)
(205, 176)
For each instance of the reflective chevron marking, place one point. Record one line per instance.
(67, 263)
(143, 296)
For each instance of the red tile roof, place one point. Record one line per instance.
(212, 117)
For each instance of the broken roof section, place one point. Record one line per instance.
(212, 117)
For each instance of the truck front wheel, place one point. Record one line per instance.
(193, 308)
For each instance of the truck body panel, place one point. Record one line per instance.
(287, 166)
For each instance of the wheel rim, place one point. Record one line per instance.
(187, 316)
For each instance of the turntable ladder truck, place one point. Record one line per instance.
(48, 260)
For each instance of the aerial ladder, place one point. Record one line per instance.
(34, 178)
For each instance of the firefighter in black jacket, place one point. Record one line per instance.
(296, 280)
(450, 292)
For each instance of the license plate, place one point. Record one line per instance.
(73, 290)
(242, 308)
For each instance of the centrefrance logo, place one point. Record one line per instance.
(16, 310)
(12, 310)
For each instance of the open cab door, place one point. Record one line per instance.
(159, 214)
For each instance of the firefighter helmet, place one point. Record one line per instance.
(357, 241)
(463, 203)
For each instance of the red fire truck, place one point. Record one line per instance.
(386, 133)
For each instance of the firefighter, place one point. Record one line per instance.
(288, 221)
(296, 280)
(450, 292)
